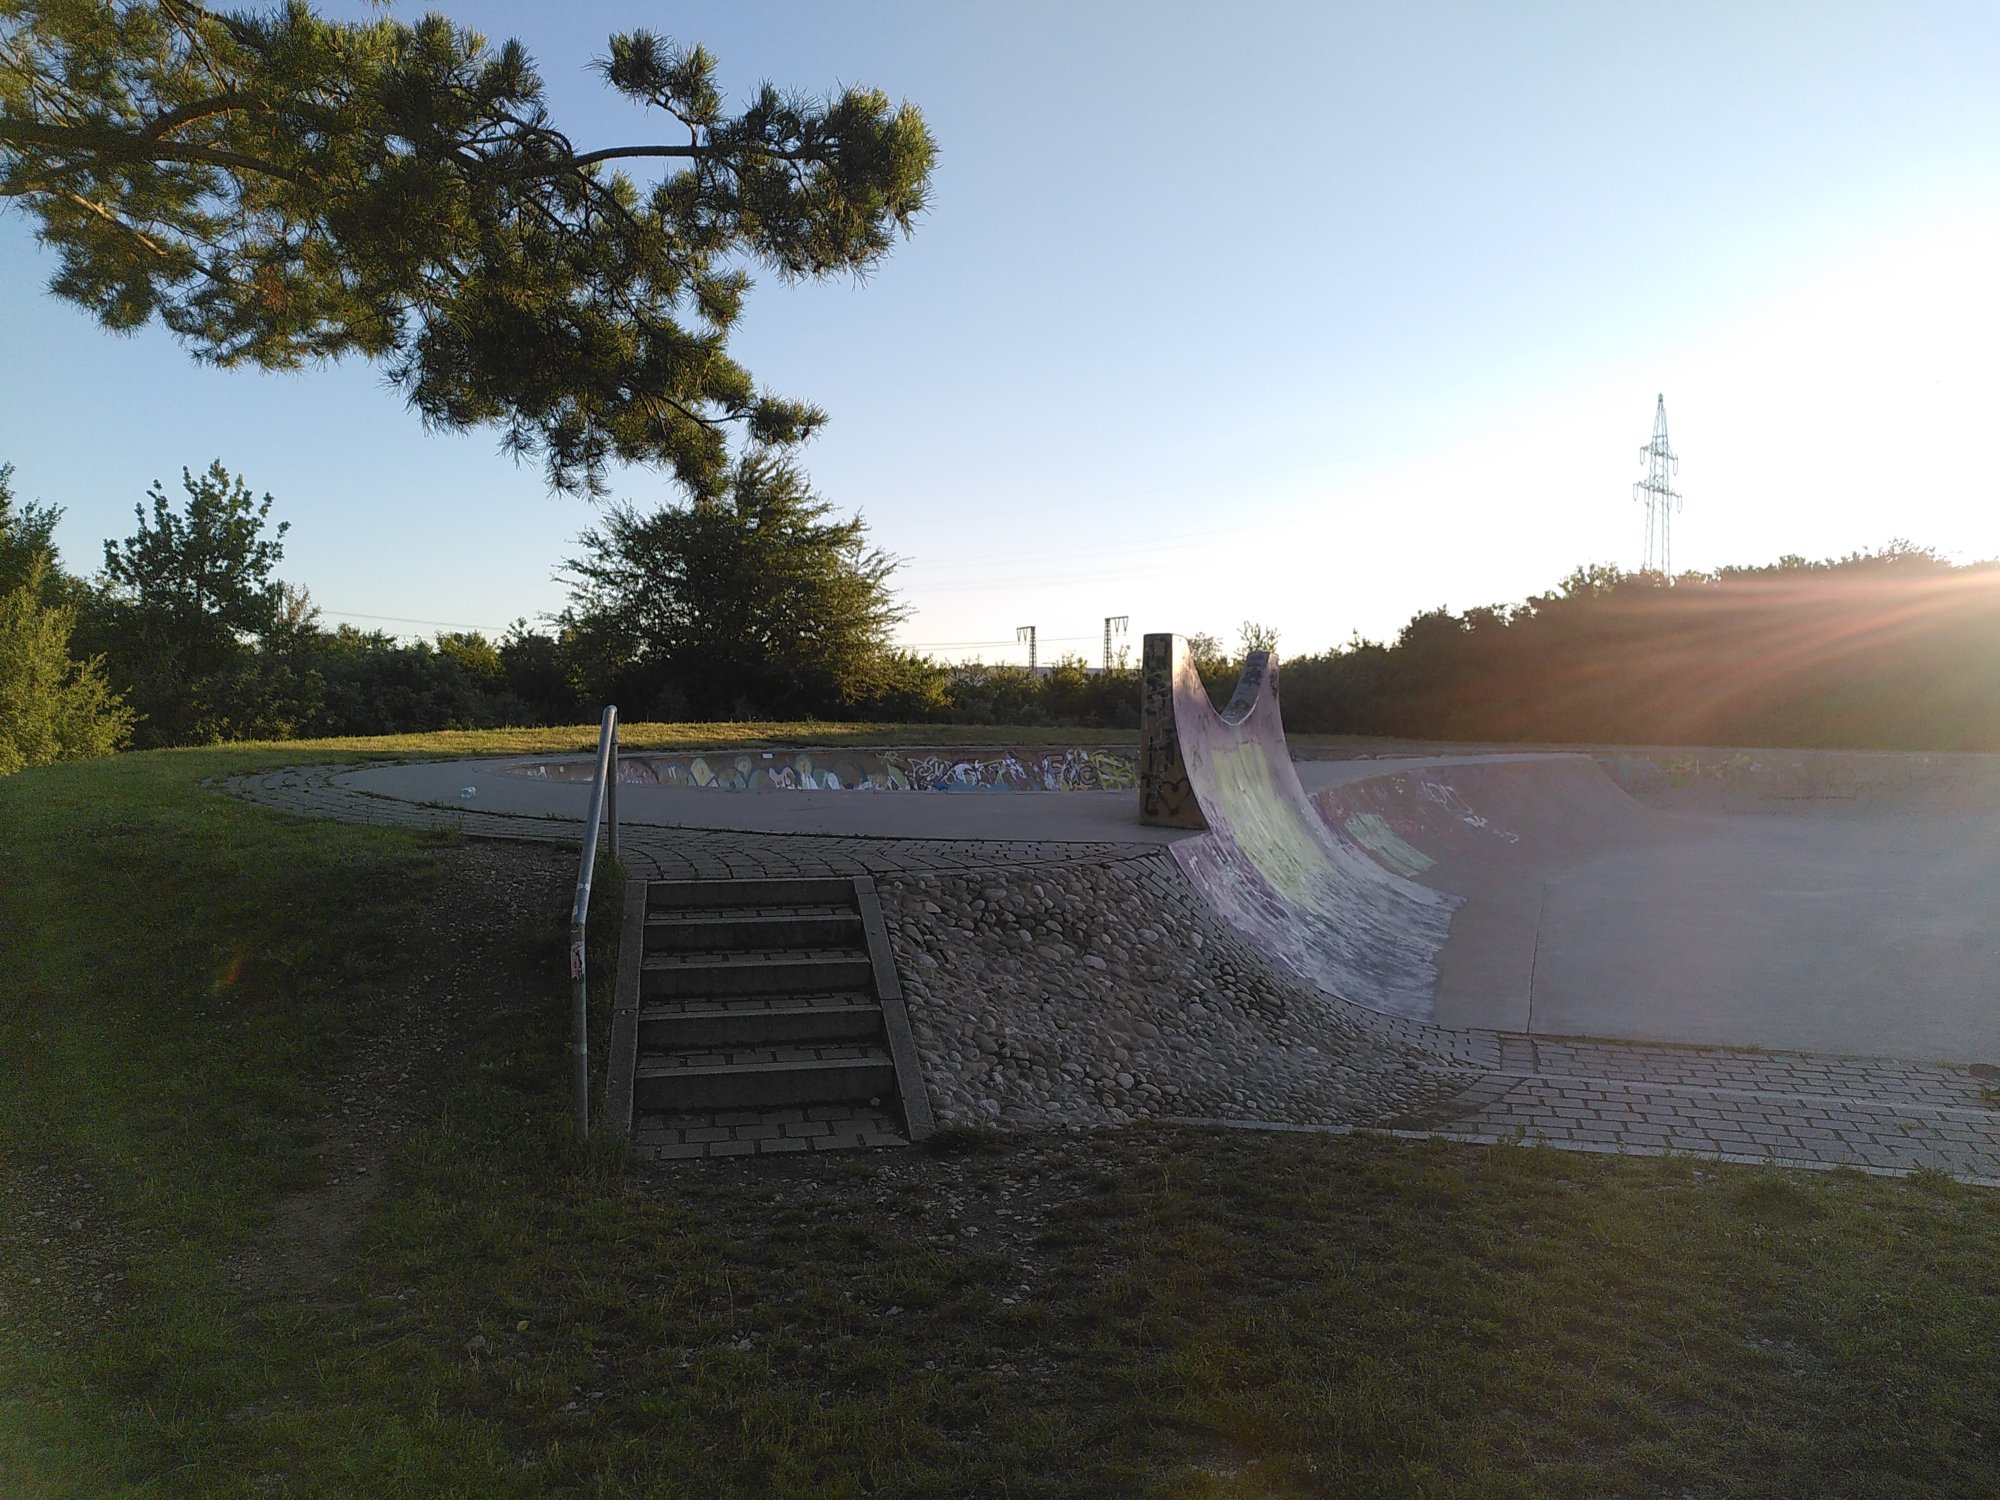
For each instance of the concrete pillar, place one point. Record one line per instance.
(1166, 800)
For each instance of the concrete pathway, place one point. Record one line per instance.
(1790, 1109)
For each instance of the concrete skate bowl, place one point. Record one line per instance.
(1839, 903)
(1810, 901)
(1021, 769)
(1290, 884)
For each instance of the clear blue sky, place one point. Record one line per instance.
(1310, 314)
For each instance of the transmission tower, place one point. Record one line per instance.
(1027, 633)
(1113, 624)
(1661, 498)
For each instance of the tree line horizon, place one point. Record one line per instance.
(760, 604)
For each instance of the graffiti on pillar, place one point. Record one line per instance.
(1166, 798)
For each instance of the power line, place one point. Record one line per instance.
(1055, 640)
(355, 614)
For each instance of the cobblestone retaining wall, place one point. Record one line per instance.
(1092, 994)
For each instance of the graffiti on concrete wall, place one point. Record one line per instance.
(1373, 833)
(995, 770)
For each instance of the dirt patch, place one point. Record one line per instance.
(487, 943)
(62, 1254)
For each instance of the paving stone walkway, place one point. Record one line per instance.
(1792, 1110)
(1779, 1108)
(819, 1127)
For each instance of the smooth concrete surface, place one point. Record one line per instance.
(1839, 930)
(1819, 935)
(1051, 817)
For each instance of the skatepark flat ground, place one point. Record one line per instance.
(1858, 932)
(1047, 817)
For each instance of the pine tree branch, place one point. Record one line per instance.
(92, 206)
(129, 147)
(612, 153)
(201, 109)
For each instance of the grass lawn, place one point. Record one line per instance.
(215, 1282)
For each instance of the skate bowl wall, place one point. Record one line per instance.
(1824, 783)
(1292, 885)
(1467, 810)
(1040, 769)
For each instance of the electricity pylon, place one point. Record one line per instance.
(1113, 624)
(1661, 498)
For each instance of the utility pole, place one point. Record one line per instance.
(1661, 498)
(1027, 633)
(1113, 624)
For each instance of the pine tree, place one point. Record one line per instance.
(276, 188)
(757, 603)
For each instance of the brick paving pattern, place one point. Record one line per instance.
(1797, 1110)
(1787, 1109)
(819, 1127)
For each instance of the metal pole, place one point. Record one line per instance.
(579, 916)
(611, 809)
(579, 1038)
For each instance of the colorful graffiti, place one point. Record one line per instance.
(983, 770)
(1373, 833)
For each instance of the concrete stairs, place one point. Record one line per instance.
(760, 1016)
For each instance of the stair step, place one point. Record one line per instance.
(739, 1004)
(712, 895)
(752, 928)
(667, 1085)
(713, 1026)
(672, 1135)
(783, 971)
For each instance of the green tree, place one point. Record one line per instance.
(277, 188)
(52, 706)
(1254, 637)
(27, 540)
(757, 602)
(201, 581)
(184, 598)
(25, 534)
(476, 656)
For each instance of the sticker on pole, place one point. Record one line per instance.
(576, 959)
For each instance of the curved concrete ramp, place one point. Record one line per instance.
(1289, 883)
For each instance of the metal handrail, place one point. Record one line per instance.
(603, 785)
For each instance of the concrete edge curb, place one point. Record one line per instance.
(917, 1119)
(623, 1061)
(1585, 1148)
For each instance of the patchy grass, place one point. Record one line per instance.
(582, 738)
(1154, 1312)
